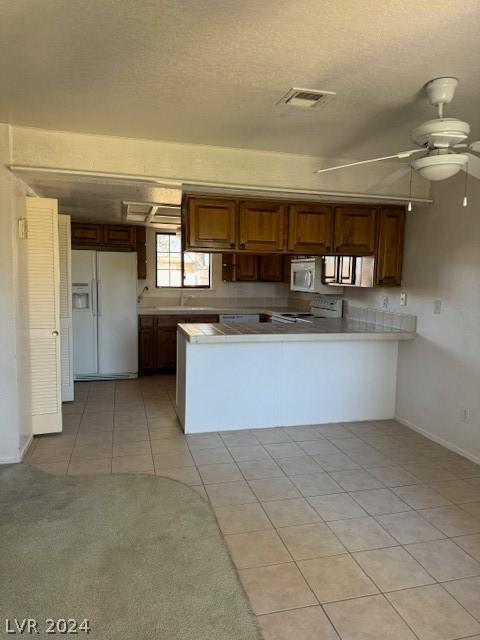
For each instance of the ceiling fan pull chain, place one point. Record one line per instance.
(409, 206)
(465, 187)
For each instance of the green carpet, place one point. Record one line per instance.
(139, 556)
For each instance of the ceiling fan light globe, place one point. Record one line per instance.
(440, 167)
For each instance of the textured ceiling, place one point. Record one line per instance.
(211, 71)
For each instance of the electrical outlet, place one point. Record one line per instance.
(385, 302)
(437, 306)
(403, 299)
(465, 414)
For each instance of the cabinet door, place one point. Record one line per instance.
(166, 347)
(86, 233)
(390, 247)
(246, 267)
(203, 319)
(119, 235)
(228, 266)
(355, 230)
(262, 226)
(146, 348)
(210, 224)
(310, 228)
(271, 268)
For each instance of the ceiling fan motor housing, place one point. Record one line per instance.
(441, 133)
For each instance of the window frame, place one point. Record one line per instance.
(182, 263)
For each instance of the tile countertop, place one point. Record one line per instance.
(193, 311)
(322, 329)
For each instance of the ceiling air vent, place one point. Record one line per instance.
(306, 98)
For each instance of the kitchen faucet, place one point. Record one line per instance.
(140, 295)
(184, 298)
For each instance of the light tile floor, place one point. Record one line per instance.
(360, 530)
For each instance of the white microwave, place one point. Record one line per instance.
(306, 275)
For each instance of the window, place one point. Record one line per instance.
(177, 269)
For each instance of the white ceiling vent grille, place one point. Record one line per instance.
(306, 98)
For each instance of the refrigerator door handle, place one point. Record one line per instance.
(94, 296)
(99, 297)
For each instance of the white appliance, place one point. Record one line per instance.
(326, 306)
(104, 301)
(306, 275)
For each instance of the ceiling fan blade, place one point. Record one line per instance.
(472, 146)
(473, 166)
(399, 155)
(390, 179)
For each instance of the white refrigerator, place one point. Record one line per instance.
(104, 301)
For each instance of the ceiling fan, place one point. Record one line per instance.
(438, 140)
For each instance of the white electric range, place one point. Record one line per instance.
(327, 306)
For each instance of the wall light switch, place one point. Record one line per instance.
(437, 306)
(403, 299)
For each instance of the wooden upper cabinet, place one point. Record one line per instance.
(391, 227)
(210, 223)
(271, 268)
(310, 228)
(86, 233)
(120, 235)
(228, 267)
(246, 267)
(355, 230)
(261, 226)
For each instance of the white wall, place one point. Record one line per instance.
(439, 372)
(15, 425)
(230, 293)
(184, 162)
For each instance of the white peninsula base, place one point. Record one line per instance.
(241, 385)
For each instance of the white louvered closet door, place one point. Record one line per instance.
(66, 328)
(43, 316)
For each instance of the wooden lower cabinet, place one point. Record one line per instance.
(157, 340)
(166, 347)
(146, 348)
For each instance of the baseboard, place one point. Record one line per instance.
(20, 456)
(25, 447)
(438, 440)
